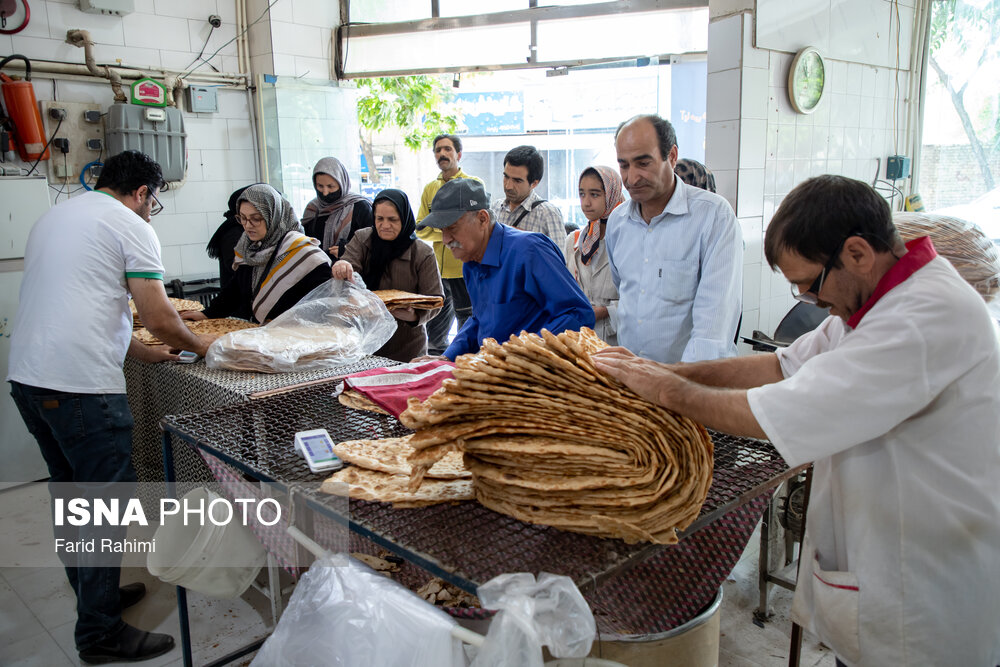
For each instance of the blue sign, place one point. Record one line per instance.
(491, 113)
(688, 92)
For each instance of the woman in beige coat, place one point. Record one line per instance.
(586, 255)
(389, 256)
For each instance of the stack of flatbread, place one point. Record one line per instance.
(219, 326)
(394, 298)
(551, 440)
(380, 471)
(180, 305)
(278, 349)
(970, 251)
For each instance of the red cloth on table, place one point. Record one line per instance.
(389, 388)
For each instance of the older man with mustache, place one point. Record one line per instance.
(676, 254)
(518, 281)
(448, 153)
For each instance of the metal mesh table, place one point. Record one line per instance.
(468, 544)
(156, 390)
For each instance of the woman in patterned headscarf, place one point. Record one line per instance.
(695, 173)
(336, 213)
(586, 256)
(276, 264)
(390, 257)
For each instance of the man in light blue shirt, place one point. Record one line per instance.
(676, 254)
(518, 281)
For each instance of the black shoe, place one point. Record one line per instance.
(130, 594)
(128, 645)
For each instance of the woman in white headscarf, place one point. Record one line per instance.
(276, 264)
(585, 251)
(336, 213)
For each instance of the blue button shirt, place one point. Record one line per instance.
(520, 284)
(679, 278)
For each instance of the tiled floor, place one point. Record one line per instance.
(37, 612)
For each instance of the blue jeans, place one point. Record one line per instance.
(85, 439)
(457, 304)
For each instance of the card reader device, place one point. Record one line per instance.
(317, 449)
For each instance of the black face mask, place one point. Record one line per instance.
(330, 198)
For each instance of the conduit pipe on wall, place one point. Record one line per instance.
(74, 70)
(81, 38)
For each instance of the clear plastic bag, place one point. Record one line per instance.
(548, 612)
(962, 243)
(349, 615)
(337, 323)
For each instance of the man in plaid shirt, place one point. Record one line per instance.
(522, 208)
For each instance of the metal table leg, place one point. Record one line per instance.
(795, 651)
(182, 608)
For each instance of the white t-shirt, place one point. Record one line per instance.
(73, 324)
(901, 562)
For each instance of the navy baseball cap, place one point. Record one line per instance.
(455, 198)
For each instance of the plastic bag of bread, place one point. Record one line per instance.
(962, 243)
(337, 323)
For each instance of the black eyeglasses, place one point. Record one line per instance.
(157, 206)
(811, 295)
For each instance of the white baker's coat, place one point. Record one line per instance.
(901, 562)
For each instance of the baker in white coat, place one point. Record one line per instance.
(896, 399)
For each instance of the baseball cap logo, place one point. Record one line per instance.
(473, 202)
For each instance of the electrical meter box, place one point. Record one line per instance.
(159, 133)
(203, 99)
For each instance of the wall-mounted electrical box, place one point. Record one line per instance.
(203, 99)
(897, 167)
(159, 133)
(108, 7)
(22, 201)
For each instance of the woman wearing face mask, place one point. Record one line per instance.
(276, 264)
(390, 257)
(586, 255)
(336, 213)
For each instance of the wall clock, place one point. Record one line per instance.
(806, 80)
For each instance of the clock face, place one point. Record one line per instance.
(805, 80)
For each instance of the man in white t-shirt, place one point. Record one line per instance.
(73, 328)
(896, 400)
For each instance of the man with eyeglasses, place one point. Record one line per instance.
(895, 398)
(73, 328)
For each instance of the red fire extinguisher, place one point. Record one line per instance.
(22, 112)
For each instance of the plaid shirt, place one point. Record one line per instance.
(545, 218)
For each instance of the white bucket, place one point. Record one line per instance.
(196, 556)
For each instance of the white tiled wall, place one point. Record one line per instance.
(160, 33)
(294, 37)
(760, 148)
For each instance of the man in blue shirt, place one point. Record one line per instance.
(517, 280)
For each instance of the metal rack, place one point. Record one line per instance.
(467, 544)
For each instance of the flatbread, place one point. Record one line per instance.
(383, 487)
(180, 305)
(358, 401)
(394, 298)
(390, 455)
(208, 327)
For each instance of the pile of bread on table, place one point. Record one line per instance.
(530, 428)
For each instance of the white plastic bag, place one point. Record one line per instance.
(337, 323)
(349, 615)
(549, 612)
